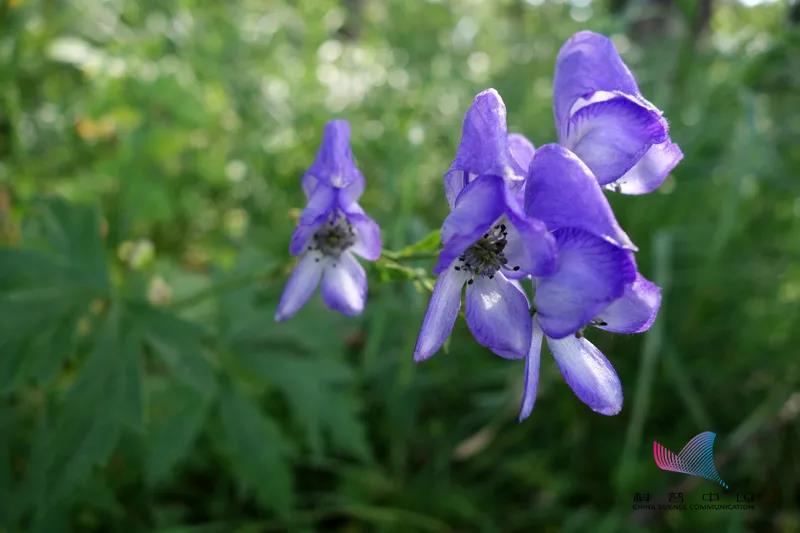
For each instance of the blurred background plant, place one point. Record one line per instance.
(150, 155)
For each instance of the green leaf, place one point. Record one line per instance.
(89, 422)
(318, 390)
(256, 450)
(47, 287)
(176, 417)
(429, 244)
(130, 377)
(71, 233)
(178, 344)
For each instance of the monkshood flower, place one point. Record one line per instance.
(595, 281)
(603, 118)
(331, 229)
(487, 240)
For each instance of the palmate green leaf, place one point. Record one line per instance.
(71, 233)
(179, 345)
(106, 395)
(256, 451)
(46, 287)
(39, 328)
(318, 389)
(176, 416)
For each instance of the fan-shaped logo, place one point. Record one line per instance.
(695, 459)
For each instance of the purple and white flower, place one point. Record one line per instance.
(488, 241)
(595, 281)
(603, 118)
(333, 228)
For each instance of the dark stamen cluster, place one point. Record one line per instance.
(334, 237)
(485, 257)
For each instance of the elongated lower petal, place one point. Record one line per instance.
(531, 382)
(635, 311)
(477, 207)
(498, 316)
(588, 373)
(591, 273)
(302, 282)
(441, 313)
(612, 135)
(344, 285)
(651, 170)
(562, 192)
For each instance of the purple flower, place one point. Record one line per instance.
(603, 118)
(332, 228)
(595, 281)
(488, 242)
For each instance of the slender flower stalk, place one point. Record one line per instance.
(333, 228)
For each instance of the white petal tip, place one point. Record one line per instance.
(420, 357)
(611, 410)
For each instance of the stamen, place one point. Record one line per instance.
(335, 236)
(485, 257)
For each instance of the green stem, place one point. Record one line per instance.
(398, 256)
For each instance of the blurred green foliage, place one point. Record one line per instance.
(150, 155)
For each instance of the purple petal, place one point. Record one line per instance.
(484, 143)
(651, 170)
(334, 165)
(498, 316)
(588, 373)
(477, 207)
(484, 138)
(530, 245)
(310, 183)
(591, 273)
(454, 183)
(350, 194)
(344, 285)
(522, 151)
(612, 135)
(531, 383)
(321, 204)
(441, 313)
(562, 192)
(368, 233)
(587, 62)
(636, 310)
(301, 237)
(300, 287)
